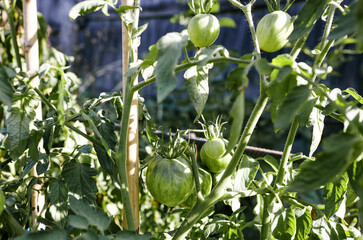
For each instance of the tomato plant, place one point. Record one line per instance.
(75, 155)
(203, 29)
(273, 31)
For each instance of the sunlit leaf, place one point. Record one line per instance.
(169, 51)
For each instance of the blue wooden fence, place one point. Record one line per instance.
(95, 40)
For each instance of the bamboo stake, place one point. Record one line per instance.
(133, 136)
(31, 49)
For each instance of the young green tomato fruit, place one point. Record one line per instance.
(170, 180)
(2, 201)
(273, 31)
(212, 155)
(203, 29)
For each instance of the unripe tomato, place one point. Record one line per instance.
(205, 181)
(212, 155)
(273, 31)
(203, 29)
(170, 181)
(2, 201)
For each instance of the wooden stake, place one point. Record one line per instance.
(31, 49)
(133, 131)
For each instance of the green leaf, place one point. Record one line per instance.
(334, 193)
(289, 225)
(227, 22)
(330, 164)
(78, 222)
(317, 120)
(6, 89)
(19, 122)
(304, 114)
(196, 78)
(245, 173)
(44, 235)
(291, 105)
(205, 54)
(307, 17)
(85, 7)
(58, 196)
(263, 67)
(107, 131)
(34, 139)
(345, 25)
(352, 92)
(237, 113)
(79, 177)
(303, 223)
(95, 216)
(169, 51)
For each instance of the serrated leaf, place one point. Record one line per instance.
(290, 106)
(237, 113)
(169, 51)
(329, 164)
(95, 216)
(245, 173)
(6, 89)
(107, 130)
(289, 225)
(19, 122)
(196, 78)
(85, 7)
(80, 181)
(58, 198)
(44, 235)
(307, 17)
(303, 224)
(334, 195)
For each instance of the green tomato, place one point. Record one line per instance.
(212, 155)
(273, 31)
(2, 201)
(203, 29)
(205, 181)
(170, 181)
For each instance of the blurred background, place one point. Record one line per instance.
(95, 43)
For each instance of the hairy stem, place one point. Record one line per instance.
(122, 156)
(10, 13)
(218, 191)
(286, 152)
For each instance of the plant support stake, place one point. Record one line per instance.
(31, 48)
(132, 152)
